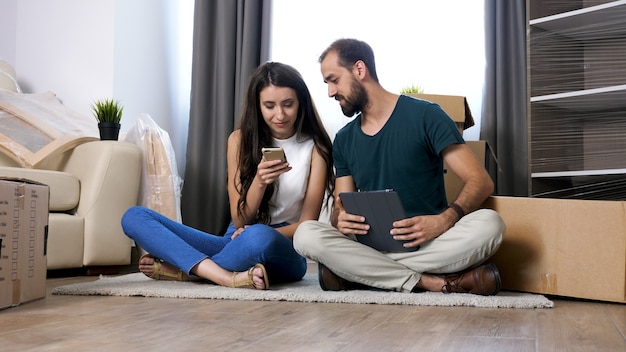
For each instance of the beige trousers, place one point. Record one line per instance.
(470, 242)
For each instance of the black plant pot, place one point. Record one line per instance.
(109, 131)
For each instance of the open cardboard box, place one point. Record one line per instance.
(23, 233)
(454, 105)
(564, 247)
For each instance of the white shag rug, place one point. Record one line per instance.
(307, 290)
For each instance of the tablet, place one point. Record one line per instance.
(380, 209)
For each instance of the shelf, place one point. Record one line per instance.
(578, 173)
(577, 107)
(605, 98)
(590, 23)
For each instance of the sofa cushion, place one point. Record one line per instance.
(64, 187)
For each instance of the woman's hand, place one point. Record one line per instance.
(268, 171)
(237, 232)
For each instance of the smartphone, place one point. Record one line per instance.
(274, 154)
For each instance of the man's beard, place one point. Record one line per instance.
(356, 101)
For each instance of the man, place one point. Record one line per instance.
(399, 142)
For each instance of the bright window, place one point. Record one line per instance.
(436, 45)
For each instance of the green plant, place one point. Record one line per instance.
(412, 89)
(107, 110)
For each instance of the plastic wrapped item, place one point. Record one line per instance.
(577, 78)
(34, 127)
(161, 186)
(7, 77)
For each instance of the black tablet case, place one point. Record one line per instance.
(380, 209)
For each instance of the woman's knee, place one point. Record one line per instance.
(136, 216)
(258, 230)
(130, 216)
(259, 235)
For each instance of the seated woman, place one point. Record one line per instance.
(268, 198)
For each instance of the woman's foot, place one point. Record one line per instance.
(255, 278)
(157, 269)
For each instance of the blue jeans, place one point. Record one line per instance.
(184, 246)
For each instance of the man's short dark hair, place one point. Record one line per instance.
(350, 51)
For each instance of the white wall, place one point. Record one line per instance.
(67, 47)
(8, 18)
(138, 52)
(437, 45)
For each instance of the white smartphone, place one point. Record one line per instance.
(274, 154)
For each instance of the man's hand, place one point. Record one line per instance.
(419, 229)
(349, 224)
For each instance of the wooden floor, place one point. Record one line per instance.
(95, 323)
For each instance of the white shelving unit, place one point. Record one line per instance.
(577, 85)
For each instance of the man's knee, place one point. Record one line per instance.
(305, 238)
(494, 224)
(491, 230)
(488, 222)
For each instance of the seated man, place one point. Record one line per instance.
(399, 142)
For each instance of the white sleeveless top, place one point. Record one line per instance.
(288, 198)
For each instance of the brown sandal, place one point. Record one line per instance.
(160, 274)
(249, 283)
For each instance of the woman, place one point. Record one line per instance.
(268, 199)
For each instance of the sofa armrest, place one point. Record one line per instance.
(110, 174)
(64, 187)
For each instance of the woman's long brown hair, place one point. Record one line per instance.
(255, 133)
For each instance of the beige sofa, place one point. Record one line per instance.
(91, 186)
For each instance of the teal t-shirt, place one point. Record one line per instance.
(404, 155)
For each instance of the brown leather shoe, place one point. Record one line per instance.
(483, 280)
(329, 281)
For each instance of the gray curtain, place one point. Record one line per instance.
(504, 122)
(231, 38)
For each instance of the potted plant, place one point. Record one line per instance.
(412, 89)
(108, 112)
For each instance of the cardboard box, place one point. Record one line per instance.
(454, 105)
(563, 247)
(23, 233)
(452, 182)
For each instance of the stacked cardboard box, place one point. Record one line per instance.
(23, 233)
(453, 183)
(459, 111)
